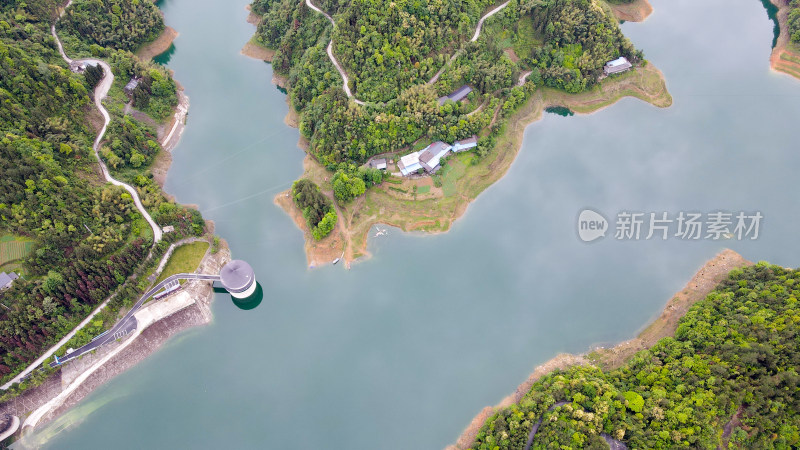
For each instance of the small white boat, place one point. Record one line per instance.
(336, 260)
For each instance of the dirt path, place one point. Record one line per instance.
(729, 427)
(523, 77)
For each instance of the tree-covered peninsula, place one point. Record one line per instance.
(85, 238)
(400, 59)
(727, 379)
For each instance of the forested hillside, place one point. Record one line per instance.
(119, 24)
(392, 49)
(728, 377)
(390, 45)
(579, 37)
(794, 21)
(89, 237)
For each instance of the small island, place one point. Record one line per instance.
(373, 91)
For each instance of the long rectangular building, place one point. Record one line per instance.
(457, 95)
(465, 144)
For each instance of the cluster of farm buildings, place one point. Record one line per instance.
(429, 159)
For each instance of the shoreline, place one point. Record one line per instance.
(699, 286)
(318, 253)
(55, 395)
(188, 308)
(253, 49)
(636, 11)
(170, 139)
(646, 83)
(379, 206)
(785, 56)
(159, 45)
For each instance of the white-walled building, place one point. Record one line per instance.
(618, 65)
(409, 164)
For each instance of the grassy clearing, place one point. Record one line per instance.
(420, 144)
(527, 38)
(185, 259)
(789, 70)
(14, 248)
(786, 56)
(456, 167)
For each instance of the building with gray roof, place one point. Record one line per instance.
(457, 95)
(618, 65)
(7, 279)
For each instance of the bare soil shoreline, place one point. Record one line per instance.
(636, 11)
(785, 57)
(161, 44)
(704, 281)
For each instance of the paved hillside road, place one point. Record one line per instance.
(486, 16)
(99, 94)
(329, 50)
(128, 324)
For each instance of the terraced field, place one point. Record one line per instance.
(13, 248)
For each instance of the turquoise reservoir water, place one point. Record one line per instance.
(404, 349)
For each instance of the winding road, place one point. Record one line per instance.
(100, 93)
(346, 80)
(329, 50)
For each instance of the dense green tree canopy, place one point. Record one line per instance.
(121, 24)
(736, 352)
(794, 21)
(316, 207)
(391, 49)
(89, 237)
